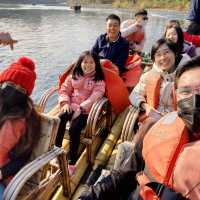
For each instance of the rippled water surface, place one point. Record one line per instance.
(54, 36)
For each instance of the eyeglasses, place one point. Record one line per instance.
(188, 91)
(145, 18)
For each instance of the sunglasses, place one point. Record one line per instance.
(145, 18)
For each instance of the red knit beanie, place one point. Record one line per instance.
(20, 73)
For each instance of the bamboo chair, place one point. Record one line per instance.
(129, 124)
(35, 180)
(133, 114)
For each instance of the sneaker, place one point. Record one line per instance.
(71, 169)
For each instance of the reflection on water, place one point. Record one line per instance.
(54, 36)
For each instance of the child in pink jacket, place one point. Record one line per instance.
(77, 95)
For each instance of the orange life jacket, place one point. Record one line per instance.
(152, 87)
(137, 36)
(132, 76)
(161, 148)
(153, 84)
(133, 60)
(115, 85)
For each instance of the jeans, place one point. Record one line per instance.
(2, 188)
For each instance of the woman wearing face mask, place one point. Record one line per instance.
(171, 148)
(175, 35)
(134, 30)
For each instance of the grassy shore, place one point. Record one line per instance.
(160, 4)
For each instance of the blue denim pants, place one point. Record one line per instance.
(2, 188)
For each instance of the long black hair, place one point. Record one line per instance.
(14, 105)
(98, 76)
(180, 37)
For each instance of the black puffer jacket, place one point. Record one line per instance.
(117, 186)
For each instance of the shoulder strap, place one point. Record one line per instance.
(174, 159)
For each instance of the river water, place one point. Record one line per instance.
(54, 36)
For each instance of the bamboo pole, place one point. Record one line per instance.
(106, 149)
(104, 153)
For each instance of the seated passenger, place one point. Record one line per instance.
(175, 35)
(174, 140)
(6, 39)
(111, 46)
(194, 39)
(170, 151)
(19, 121)
(134, 30)
(154, 91)
(153, 94)
(76, 96)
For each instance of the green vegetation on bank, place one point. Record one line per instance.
(135, 4)
(163, 4)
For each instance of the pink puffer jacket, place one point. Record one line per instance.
(82, 92)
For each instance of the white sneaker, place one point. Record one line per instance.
(71, 169)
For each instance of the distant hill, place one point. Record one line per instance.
(32, 1)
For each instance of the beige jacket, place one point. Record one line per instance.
(138, 95)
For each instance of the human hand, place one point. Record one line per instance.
(150, 111)
(6, 39)
(66, 108)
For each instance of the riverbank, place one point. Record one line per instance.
(179, 5)
(160, 4)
